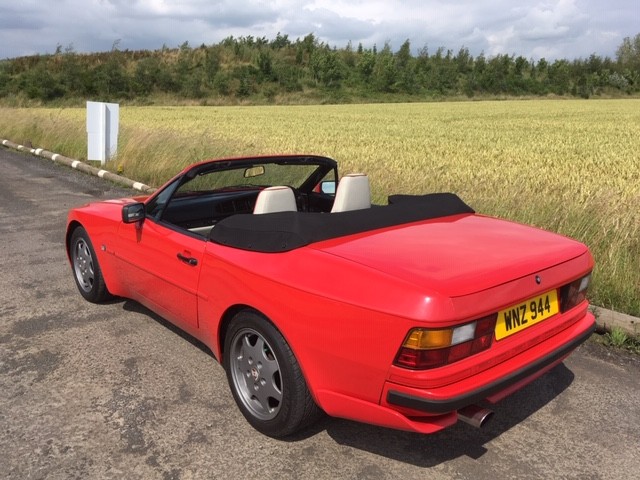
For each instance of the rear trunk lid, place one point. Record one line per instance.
(457, 255)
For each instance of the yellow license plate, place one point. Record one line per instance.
(518, 317)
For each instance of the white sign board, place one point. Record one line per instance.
(102, 130)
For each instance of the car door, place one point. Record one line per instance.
(162, 266)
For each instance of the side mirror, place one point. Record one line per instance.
(328, 187)
(133, 212)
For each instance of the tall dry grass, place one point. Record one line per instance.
(568, 166)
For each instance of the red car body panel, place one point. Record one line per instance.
(345, 305)
(452, 253)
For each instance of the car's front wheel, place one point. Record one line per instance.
(86, 270)
(265, 377)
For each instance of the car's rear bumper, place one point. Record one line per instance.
(427, 409)
(429, 405)
(493, 383)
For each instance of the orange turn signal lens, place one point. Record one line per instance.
(421, 339)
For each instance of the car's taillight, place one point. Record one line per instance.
(574, 293)
(429, 348)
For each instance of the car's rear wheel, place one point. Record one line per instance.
(265, 377)
(86, 270)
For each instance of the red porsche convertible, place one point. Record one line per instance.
(409, 315)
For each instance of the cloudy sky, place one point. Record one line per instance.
(532, 28)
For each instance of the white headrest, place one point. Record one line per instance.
(353, 193)
(275, 199)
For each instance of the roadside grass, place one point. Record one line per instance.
(618, 338)
(569, 166)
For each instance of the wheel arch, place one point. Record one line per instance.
(225, 321)
(223, 328)
(73, 225)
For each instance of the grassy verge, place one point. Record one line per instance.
(619, 340)
(566, 166)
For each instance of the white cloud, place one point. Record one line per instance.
(532, 28)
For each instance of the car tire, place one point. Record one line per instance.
(86, 269)
(265, 377)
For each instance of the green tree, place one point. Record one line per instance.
(628, 59)
(406, 67)
(265, 64)
(211, 64)
(73, 76)
(628, 53)
(442, 76)
(111, 79)
(5, 78)
(280, 42)
(146, 76)
(385, 73)
(39, 83)
(349, 57)
(365, 66)
(327, 67)
(244, 80)
(305, 48)
(559, 77)
(464, 61)
(222, 83)
(192, 86)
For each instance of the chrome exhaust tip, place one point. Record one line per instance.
(474, 415)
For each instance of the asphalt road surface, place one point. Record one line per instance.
(113, 391)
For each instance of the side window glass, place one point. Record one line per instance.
(157, 205)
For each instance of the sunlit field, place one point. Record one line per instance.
(565, 165)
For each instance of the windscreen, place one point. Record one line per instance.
(248, 177)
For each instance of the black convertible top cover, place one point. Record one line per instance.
(285, 231)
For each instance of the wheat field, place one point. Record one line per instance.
(570, 166)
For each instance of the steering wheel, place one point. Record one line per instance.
(302, 199)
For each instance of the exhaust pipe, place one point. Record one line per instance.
(474, 415)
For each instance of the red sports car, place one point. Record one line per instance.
(406, 315)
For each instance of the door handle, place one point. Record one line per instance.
(188, 260)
